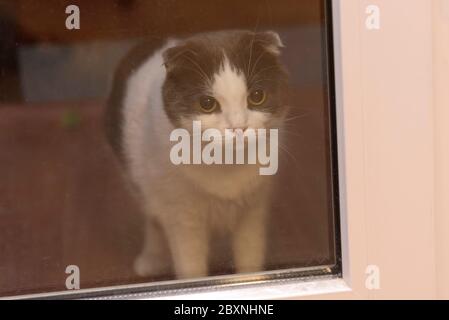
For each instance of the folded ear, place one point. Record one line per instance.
(271, 41)
(172, 54)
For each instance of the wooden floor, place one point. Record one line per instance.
(63, 202)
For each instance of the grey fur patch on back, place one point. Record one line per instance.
(126, 68)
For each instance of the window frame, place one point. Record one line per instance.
(374, 200)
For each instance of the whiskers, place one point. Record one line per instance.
(300, 116)
(199, 70)
(284, 148)
(290, 132)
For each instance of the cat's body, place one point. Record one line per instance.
(160, 93)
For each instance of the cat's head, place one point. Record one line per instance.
(226, 80)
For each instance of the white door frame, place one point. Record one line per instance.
(441, 104)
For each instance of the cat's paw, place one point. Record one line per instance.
(145, 266)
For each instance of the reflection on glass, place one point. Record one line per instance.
(163, 141)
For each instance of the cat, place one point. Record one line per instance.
(230, 79)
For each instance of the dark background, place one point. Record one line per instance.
(62, 197)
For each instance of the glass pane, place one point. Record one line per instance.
(152, 141)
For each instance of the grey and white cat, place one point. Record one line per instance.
(226, 80)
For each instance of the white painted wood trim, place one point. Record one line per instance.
(441, 94)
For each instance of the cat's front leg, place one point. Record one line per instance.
(189, 245)
(153, 261)
(249, 240)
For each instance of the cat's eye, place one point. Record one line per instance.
(208, 104)
(257, 97)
